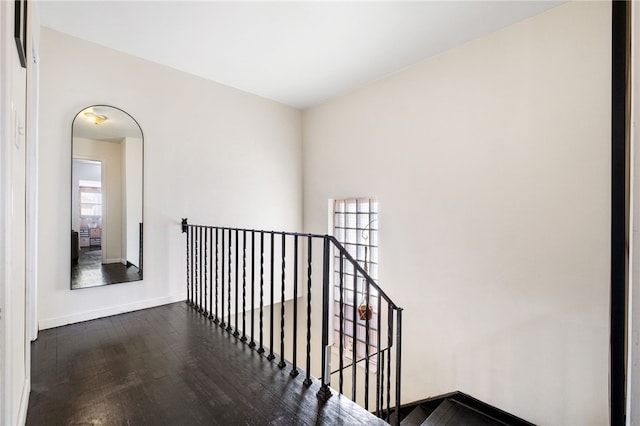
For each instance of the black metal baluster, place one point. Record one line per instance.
(294, 371)
(216, 320)
(188, 232)
(282, 364)
(398, 363)
(307, 380)
(261, 348)
(378, 377)
(389, 345)
(229, 328)
(341, 349)
(210, 273)
(367, 328)
(206, 270)
(252, 344)
(244, 286)
(381, 396)
(200, 309)
(222, 262)
(236, 333)
(271, 355)
(197, 269)
(354, 334)
(325, 393)
(192, 300)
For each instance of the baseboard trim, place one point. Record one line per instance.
(107, 312)
(116, 260)
(24, 402)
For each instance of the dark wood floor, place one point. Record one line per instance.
(89, 271)
(168, 366)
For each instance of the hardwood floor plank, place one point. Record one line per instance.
(169, 366)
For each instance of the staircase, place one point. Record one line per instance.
(456, 409)
(275, 292)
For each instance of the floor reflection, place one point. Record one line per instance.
(90, 272)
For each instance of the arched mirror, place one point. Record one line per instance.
(106, 198)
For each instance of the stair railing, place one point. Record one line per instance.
(238, 278)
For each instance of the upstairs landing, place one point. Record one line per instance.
(169, 366)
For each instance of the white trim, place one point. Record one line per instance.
(105, 225)
(106, 312)
(24, 401)
(33, 90)
(6, 11)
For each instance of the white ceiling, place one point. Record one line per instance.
(294, 52)
(119, 124)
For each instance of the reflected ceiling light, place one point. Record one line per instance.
(95, 118)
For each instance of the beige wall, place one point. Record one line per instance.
(212, 153)
(491, 165)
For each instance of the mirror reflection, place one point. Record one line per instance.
(106, 198)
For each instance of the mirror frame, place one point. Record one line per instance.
(141, 231)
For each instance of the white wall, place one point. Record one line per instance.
(491, 165)
(212, 153)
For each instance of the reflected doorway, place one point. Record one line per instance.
(90, 266)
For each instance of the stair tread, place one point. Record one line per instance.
(450, 413)
(417, 416)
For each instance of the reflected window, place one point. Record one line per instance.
(90, 200)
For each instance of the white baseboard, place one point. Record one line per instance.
(24, 402)
(106, 312)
